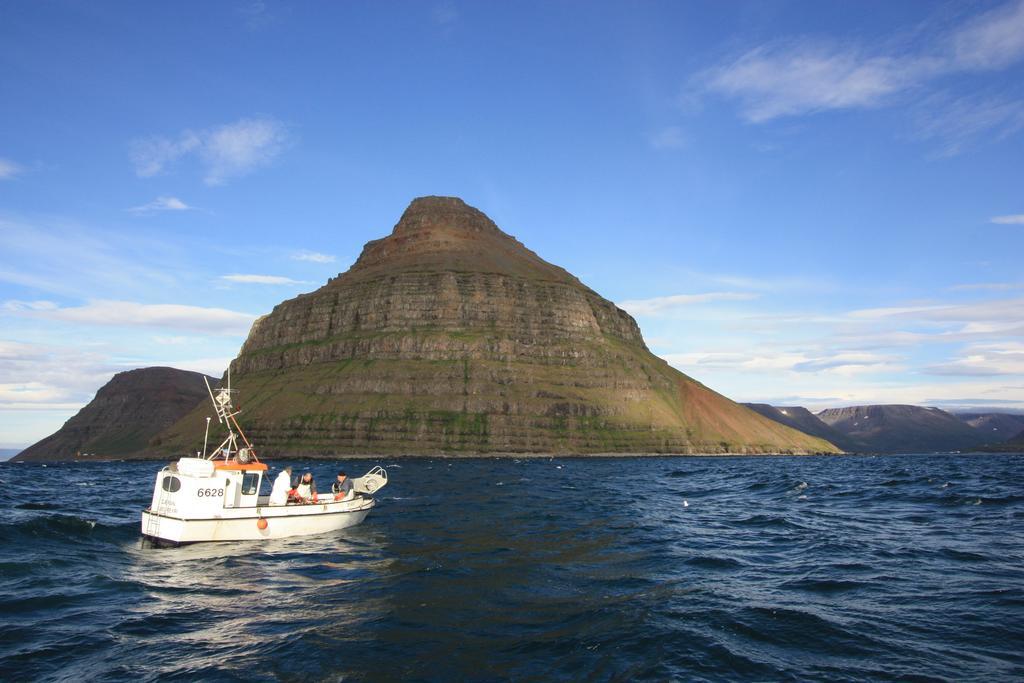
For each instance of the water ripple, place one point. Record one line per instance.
(880, 568)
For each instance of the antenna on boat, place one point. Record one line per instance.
(226, 416)
(210, 391)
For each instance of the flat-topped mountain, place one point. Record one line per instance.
(450, 336)
(902, 428)
(127, 412)
(807, 422)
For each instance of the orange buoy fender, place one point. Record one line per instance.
(261, 524)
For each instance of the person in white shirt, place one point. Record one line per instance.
(282, 485)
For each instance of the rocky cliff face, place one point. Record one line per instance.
(901, 428)
(126, 414)
(449, 336)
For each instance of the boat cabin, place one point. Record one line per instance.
(197, 485)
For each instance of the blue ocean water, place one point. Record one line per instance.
(776, 568)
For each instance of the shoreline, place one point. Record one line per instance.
(511, 456)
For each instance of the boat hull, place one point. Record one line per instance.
(281, 522)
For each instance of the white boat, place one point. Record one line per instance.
(216, 496)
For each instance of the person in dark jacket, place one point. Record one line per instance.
(342, 487)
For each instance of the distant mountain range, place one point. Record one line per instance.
(903, 428)
(130, 413)
(807, 422)
(998, 427)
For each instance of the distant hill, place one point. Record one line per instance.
(902, 428)
(995, 427)
(1013, 445)
(127, 412)
(807, 422)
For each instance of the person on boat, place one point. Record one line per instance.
(306, 490)
(342, 487)
(282, 484)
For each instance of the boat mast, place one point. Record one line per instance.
(226, 416)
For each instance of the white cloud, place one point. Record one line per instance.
(804, 76)
(152, 154)
(240, 147)
(40, 305)
(162, 204)
(61, 257)
(130, 314)
(313, 256)
(843, 363)
(988, 286)
(998, 314)
(9, 170)
(262, 279)
(1005, 358)
(177, 340)
(226, 151)
(962, 121)
(993, 40)
(664, 304)
(669, 138)
(42, 377)
(1015, 219)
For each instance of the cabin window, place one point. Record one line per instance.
(249, 483)
(171, 484)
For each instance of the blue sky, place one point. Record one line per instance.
(800, 202)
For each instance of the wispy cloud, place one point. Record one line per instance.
(1008, 313)
(805, 77)
(132, 314)
(671, 137)
(9, 170)
(43, 377)
(991, 41)
(1014, 219)
(445, 14)
(808, 75)
(151, 155)
(161, 204)
(664, 304)
(1005, 358)
(988, 286)
(313, 256)
(62, 257)
(226, 151)
(255, 15)
(240, 147)
(843, 363)
(262, 279)
(960, 122)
